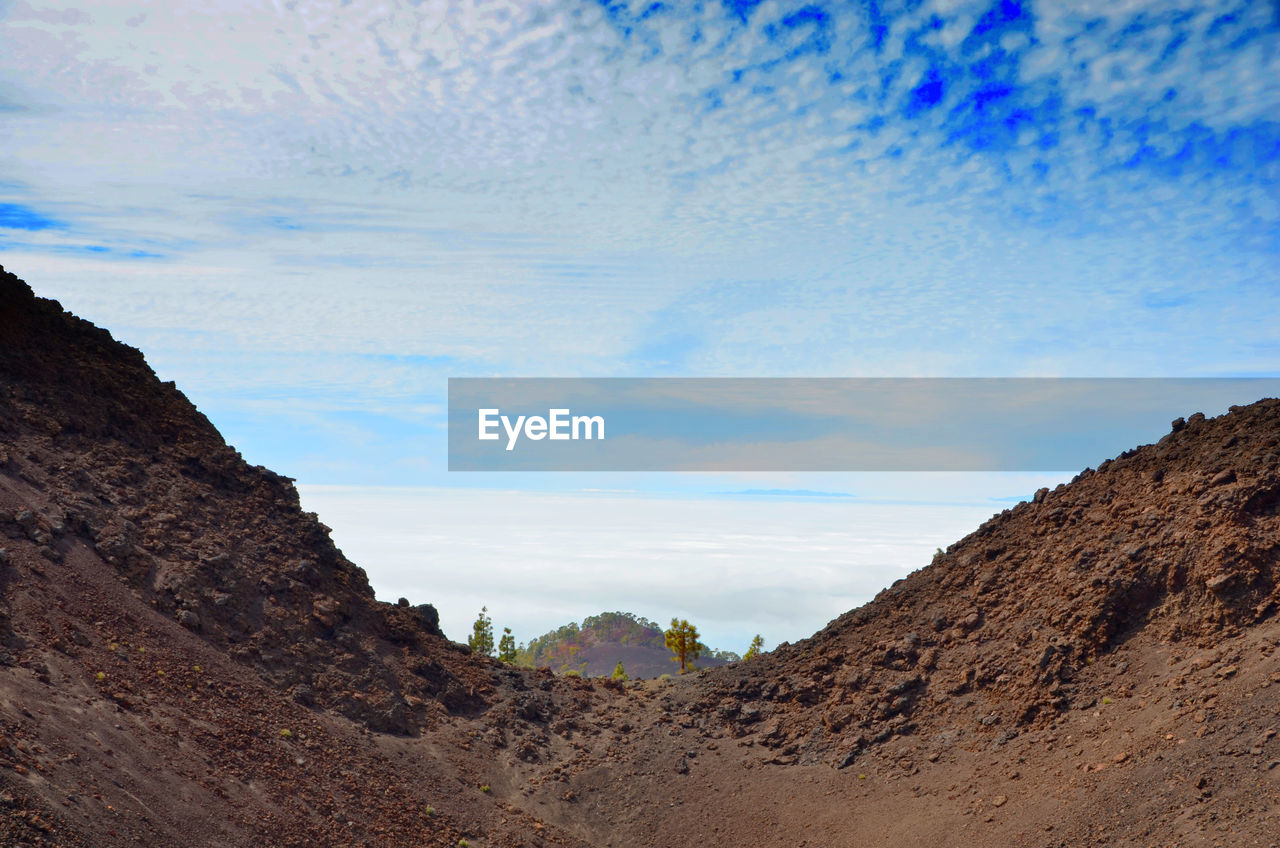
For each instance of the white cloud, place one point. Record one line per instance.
(525, 189)
(735, 567)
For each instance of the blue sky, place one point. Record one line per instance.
(312, 214)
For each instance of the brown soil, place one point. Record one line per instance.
(186, 659)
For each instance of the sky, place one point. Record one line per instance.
(310, 215)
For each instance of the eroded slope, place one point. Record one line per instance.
(1097, 665)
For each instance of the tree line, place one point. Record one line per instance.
(681, 639)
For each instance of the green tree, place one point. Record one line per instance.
(481, 638)
(620, 673)
(682, 641)
(757, 645)
(554, 649)
(727, 656)
(507, 647)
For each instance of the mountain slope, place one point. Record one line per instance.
(1174, 542)
(1105, 654)
(128, 466)
(186, 659)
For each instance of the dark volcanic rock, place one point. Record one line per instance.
(131, 469)
(1179, 541)
(186, 659)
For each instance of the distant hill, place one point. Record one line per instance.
(595, 647)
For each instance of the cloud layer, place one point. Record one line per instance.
(735, 566)
(299, 209)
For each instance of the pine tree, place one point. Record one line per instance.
(507, 647)
(481, 638)
(757, 645)
(682, 640)
(619, 673)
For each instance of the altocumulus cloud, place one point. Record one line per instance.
(599, 188)
(681, 113)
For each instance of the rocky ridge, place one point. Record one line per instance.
(128, 467)
(1177, 542)
(186, 659)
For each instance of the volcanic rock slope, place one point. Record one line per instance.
(186, 659)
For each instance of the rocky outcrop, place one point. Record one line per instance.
(126, 466)
(186, 659)
(1177, 541)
